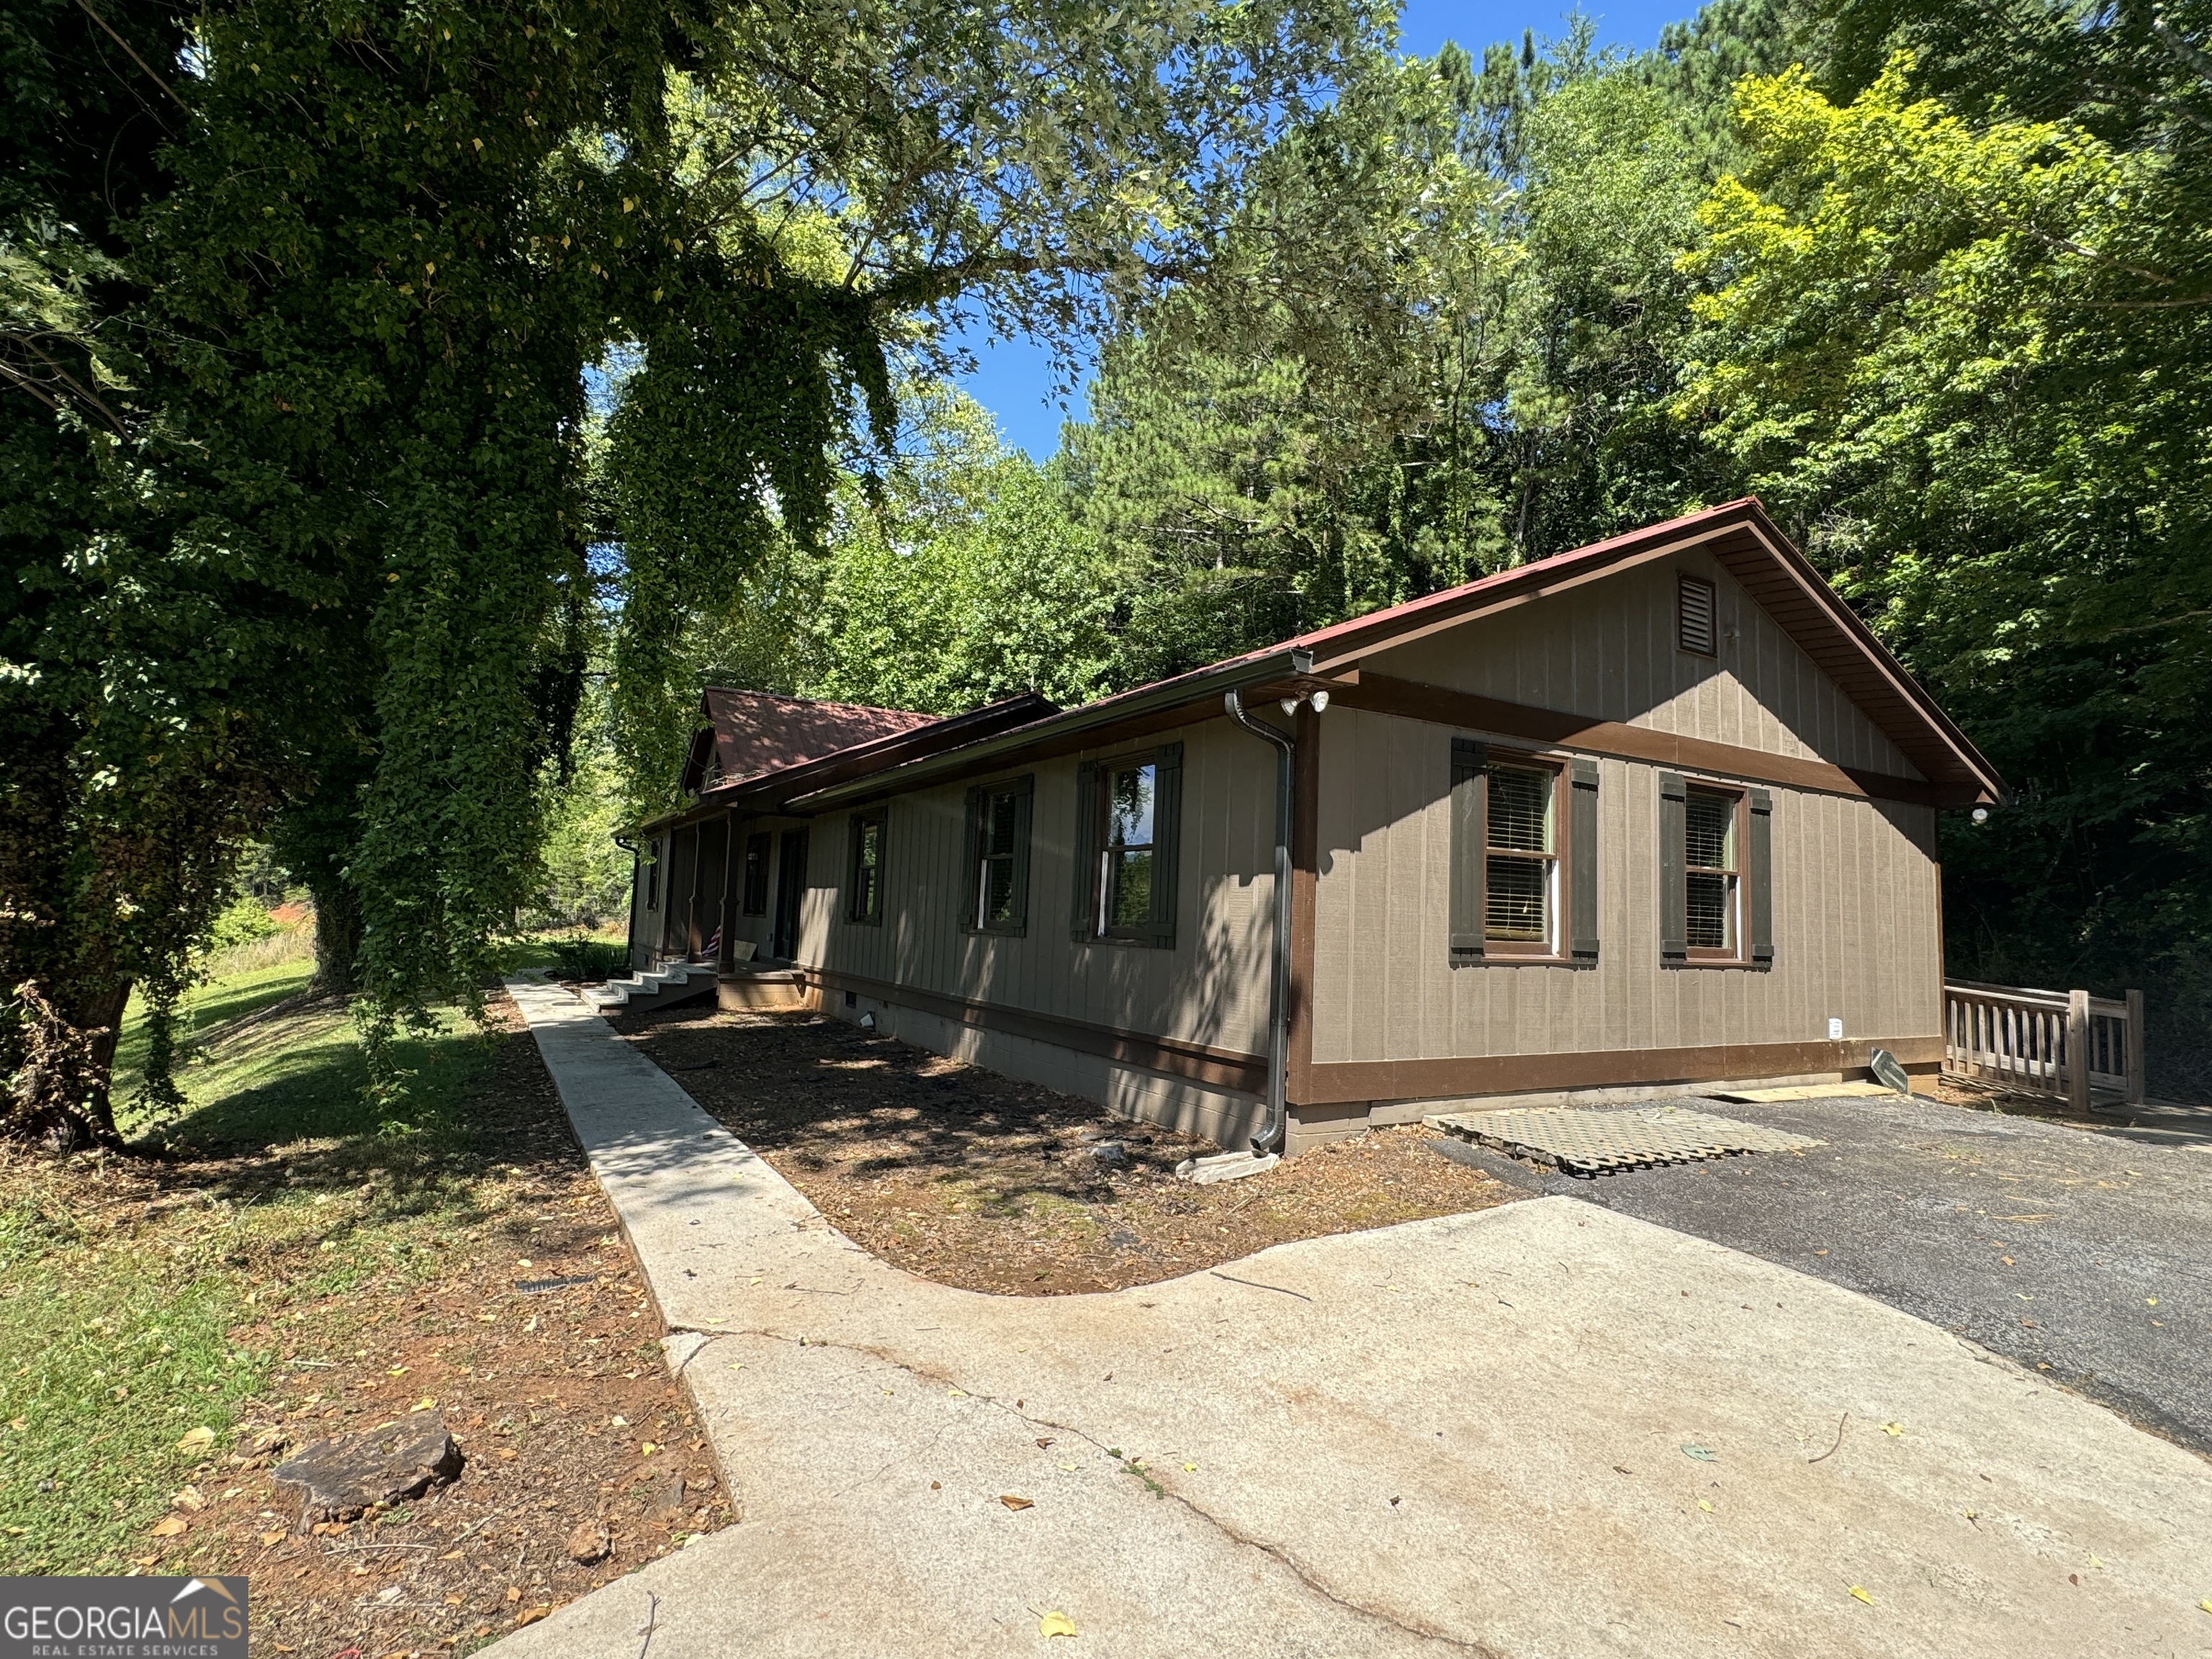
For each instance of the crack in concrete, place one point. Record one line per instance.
(1275, 1552)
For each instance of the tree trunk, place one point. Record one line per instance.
(68, 1063)
(101, 1019)
(337, 939)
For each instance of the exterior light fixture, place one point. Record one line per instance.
(1981, 815)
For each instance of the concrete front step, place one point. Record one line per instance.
(661, 988)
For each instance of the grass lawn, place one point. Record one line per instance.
(283, 1262)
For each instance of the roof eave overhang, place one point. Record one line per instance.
(1063, 732)
(772, 791)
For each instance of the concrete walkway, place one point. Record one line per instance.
(1546, 1428)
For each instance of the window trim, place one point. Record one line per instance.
(1550, 948)
(1093, 804)
(1739, 954)
(1558, 950)
(879, 818)
(1684, 582)
(973, 917)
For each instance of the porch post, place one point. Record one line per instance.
(2077, 1050)
(2138, 1055)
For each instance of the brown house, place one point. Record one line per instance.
(1659, 812)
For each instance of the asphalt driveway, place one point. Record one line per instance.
(2086, 1252)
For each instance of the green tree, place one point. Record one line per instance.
(128, 762)
(961, 576)
(1050, 165)
(1441, 338)
(1968, 358)
(966, 577)
(328, 565)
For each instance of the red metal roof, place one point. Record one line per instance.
(751, 733)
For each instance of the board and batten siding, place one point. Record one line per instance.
(1855, 923)
(1607, 650)
(1855, 898)
(1211, 988)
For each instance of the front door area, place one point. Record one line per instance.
(790, 891)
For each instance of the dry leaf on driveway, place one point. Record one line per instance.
(1014, 1503)
(1056, 1623)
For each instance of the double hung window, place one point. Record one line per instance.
(1715, 874)
(865, 880)
(1524, 856)
(1126, 813)
(998, 857)
(1125, 863)
(1712, 892)
(754, 900)
(1520, 898)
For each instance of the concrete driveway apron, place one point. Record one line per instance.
(1546, 1428)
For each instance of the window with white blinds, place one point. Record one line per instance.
(1709, 871)
(1520, 862)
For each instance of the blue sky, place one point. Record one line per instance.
(1013, 378)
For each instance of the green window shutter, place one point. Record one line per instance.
(1021, 899)
(1582, 858)
(972, 865)
(1083, 925)
(1167, 842)
(1469, 805)
(1674, 889)
(1759, 875)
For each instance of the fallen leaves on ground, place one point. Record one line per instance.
(1059, 1623)
(531, 1409)
(994, 1184)
(1862, 1595)
(1014, 1503)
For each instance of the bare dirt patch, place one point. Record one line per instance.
(989, 1183)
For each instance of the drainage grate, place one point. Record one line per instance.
(1583, 1141)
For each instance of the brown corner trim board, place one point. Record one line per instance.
(1381, 694)
(1220, 1068)
(1340, 1082)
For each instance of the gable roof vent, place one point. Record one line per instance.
(1694, 612)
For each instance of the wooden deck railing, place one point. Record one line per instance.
(2032, 1041)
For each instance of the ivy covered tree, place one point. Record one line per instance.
(129, 765)
(300, 309)
(1049, 166)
